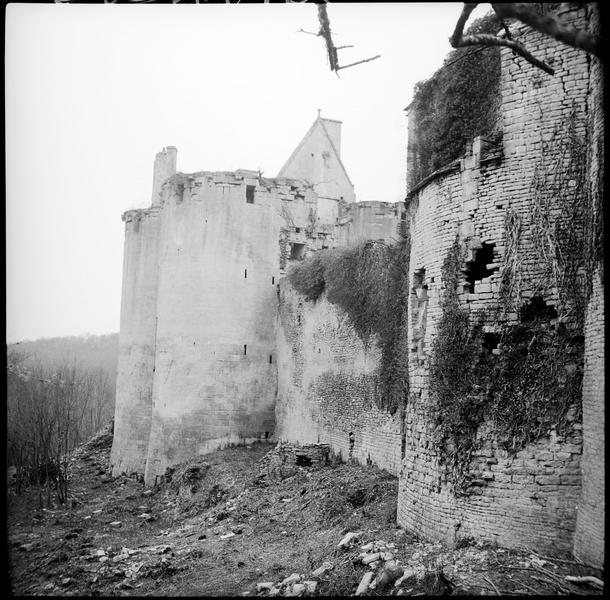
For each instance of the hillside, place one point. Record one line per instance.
(89, 351)
(216, 527)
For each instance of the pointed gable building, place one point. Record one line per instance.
(317, 160)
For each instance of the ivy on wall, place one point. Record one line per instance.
(529, 387)
(459, 102)
(369, 282)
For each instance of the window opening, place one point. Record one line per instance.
(297, 251)
(271, 359)
(250, 194)
(245, 273)
(245, 349)
(272, 280)
(476, 269)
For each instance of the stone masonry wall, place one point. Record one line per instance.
(589, 536)
(327, 380)
(136, 362)
(527, 499)
(198, 364)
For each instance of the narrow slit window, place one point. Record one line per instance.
(272, 280)
(250, 194)
(245, 273)
(271, 359)
(245, 349)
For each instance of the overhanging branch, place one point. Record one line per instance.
(331, 49)
(547, 24)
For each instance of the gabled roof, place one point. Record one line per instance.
(319, 121)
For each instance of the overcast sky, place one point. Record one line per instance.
(93, 92)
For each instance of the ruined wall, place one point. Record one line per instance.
(198, 364)
(528, 498)
(136, 359)
(327, 381)
(370, 220)
(589, 536)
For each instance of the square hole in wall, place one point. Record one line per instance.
(297, 251)
(250, 193)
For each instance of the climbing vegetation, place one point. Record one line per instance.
(459, 102)
(528, 387)
(369, 282)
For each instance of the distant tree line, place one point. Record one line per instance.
(53, 406)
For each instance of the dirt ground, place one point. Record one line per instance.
(217, 529)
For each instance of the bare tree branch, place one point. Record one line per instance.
(552, 26)
(458, 40)
(331, 49)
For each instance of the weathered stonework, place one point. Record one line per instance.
(528, 499)
(198, 351)
(286, 459)
(589, 537)
(327, 382)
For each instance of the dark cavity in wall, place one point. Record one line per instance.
(250, 194)
(352, 440)
(303, 461)
(476, 269)
(537, 310)
(297, 251)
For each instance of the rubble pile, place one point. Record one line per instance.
(286, 458)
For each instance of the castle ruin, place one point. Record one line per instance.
(216, 346)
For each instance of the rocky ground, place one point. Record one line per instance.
(217, 528)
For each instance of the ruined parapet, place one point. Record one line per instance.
(165, 167)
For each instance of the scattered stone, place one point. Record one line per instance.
(298, 589)
(388, 575)
(274, 591)
(370, 558)
(27, 547)
(364, 583)
(294, 578)
(49, 586)
(326, 566)
(116, 524)
(265, 585)
(100, 552)
(226, 536)
(147, 493)
(367, 547)
(103, 559)
(97, 512)
(66, 581)
(310, 586)
(352, 536)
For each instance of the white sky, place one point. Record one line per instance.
(93, 92)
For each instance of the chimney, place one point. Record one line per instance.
(165, 167)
